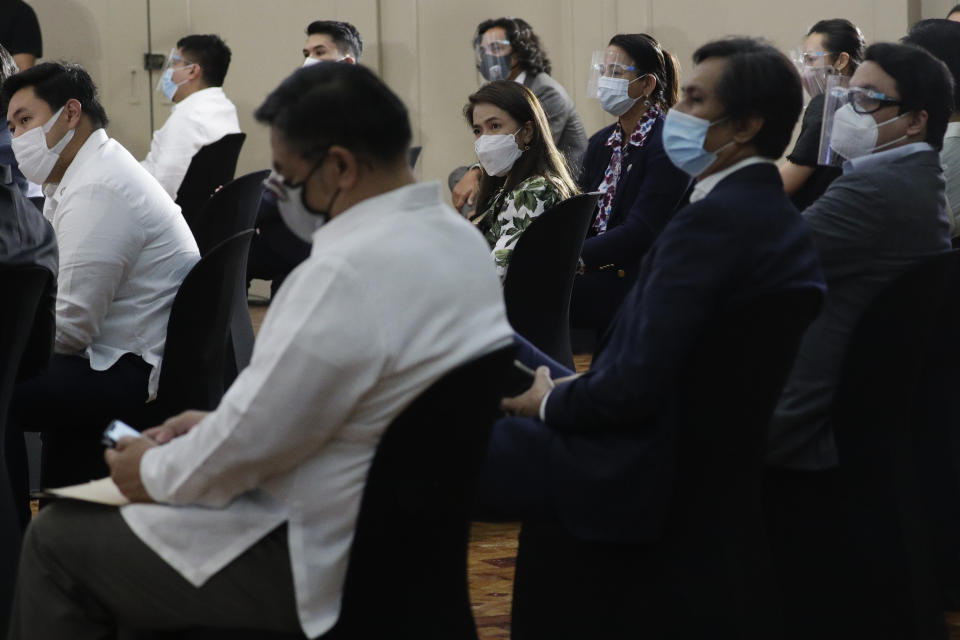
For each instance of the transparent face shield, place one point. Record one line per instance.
(850, 129)
(814, 69)
(493, 57)
(609, 67)
(174, 61)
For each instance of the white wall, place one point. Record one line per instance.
(420, 47)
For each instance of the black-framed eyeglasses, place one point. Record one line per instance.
(866, 101)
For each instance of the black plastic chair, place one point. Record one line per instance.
(540, 277)
(935, 417)
(212, 166)
(198, 334)
(886, 529)
(229, 211)
(22, 289)
(709, 573)
(407, 573)
(413, 155)
(714, 547)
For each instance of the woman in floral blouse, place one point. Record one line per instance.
(523, 173)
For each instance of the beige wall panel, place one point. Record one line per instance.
(266, 40)
(420, 47)
(446, 68)
(935, 8)
(107, 37)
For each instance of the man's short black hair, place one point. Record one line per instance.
(758, 81)
(942, 39)
(956, 9)
(525, 43)
(55, 83)
(343, 34)
(209, 52)
(923, 82)
(338, 104)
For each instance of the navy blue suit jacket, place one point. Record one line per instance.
(611, 460)
(648, 192)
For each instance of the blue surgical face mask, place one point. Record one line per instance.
(683, 138)
(168, 86)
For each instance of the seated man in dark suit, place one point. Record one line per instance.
(885, 213)
(593, 454)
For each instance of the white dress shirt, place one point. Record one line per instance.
(200, 119)
(398, 290)
(124, 250)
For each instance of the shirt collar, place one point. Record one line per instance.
(520, 78)
(703, 187)
(887, 156)
(953, 130)
(199, 96)
(87, 150)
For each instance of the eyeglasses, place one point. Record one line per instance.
(613, 70)
(864, 100)
(811, 58)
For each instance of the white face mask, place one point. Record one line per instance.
(34, 158)
(613, 94)
(294, 212)
(498, 153)
(855, 134)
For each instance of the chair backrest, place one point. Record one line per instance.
(413, 155)
(540, 277)
(886, 529)
(714, 547)
(934, 417)
(229, 211)
(212, 166)
(407, 574)
(21, 289)
(198, 332)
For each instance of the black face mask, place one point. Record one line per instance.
(495, 67)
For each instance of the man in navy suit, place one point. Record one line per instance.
(592, 454)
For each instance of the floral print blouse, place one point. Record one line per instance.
(509, 214)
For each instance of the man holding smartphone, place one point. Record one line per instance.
(259, 498)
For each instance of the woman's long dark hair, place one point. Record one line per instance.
(540, 157)
(650, 58)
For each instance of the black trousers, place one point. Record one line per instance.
(84, 574)
(70, 405)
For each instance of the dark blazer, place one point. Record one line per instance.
(870, 225)
(610, 465)
(648, 192)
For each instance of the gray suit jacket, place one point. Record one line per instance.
(870, 225)
(565, 125)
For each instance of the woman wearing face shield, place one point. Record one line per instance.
(831, 47)
(523, 173)
(637, 82)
